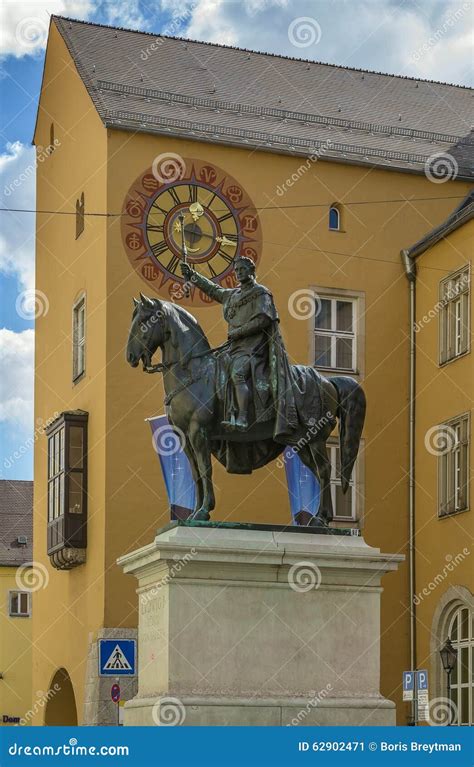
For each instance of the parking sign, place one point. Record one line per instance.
(408, 685)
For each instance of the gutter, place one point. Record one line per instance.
(410, 271)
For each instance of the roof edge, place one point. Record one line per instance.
(261, 53)
(460, 216)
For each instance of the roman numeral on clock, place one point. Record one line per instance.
(155, 228)
(174, 194)
(193, 193)
(159, 247)
(225, 217)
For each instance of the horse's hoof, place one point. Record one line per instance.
(201, 515)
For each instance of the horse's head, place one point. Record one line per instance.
(147, 331)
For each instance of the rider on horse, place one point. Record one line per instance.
(259, 364)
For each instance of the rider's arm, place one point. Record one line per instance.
(209, 288)
(251, 328)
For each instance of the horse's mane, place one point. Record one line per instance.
(186, 333)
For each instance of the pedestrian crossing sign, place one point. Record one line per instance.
(117, 657)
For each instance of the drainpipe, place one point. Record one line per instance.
(410, 271)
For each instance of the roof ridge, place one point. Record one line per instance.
(260, 53)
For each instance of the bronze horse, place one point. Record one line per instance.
(192, 381)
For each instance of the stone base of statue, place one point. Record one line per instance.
(258, 625)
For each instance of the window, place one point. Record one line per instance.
(334, 219)
(453, 466)
(344, 505)
(461, 633)
(80, 215)
(67, 481)
(335, 333)
(19, 604)
(79, 339)
(454, 315)
(51, 138)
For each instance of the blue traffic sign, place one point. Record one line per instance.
(422, 680)
(408, 680)
(117, 657)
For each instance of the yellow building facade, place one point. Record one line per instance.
(100, 166)
(443, 522)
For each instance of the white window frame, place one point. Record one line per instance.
(28, 602)
(454, 315)
(333, 333)
(78, 344)
(467, 644)
(451, 468)
(332, 448)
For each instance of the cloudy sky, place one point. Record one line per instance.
(422, 38)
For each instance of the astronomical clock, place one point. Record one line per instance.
(181, 204)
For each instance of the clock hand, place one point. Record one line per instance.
(225, 241)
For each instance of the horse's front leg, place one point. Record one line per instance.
(196, 476)
(200, 444)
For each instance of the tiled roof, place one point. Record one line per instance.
(16, 519)
(460, 216)
(216, 93)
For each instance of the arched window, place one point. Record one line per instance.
(334, 218)
(461, 633)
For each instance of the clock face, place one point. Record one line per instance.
(196, 202)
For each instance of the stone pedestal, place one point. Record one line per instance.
(258, 627)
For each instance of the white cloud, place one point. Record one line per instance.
(384, 36)
(17, 190)
(16, 382)
(125, 13)
(24, 25)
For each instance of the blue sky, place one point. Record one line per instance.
(421, 38)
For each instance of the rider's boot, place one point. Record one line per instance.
(242, 395)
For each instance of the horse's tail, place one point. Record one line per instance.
(351, 414)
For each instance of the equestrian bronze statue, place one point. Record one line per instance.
(244, 402)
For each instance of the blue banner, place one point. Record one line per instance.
(303, 488)
(168, 443)
(236, 746)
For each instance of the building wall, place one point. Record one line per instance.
(291, 261)
(127, 500)
(442, 392)
(15, 654)
(72, 604)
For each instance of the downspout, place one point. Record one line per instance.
(410, 271)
